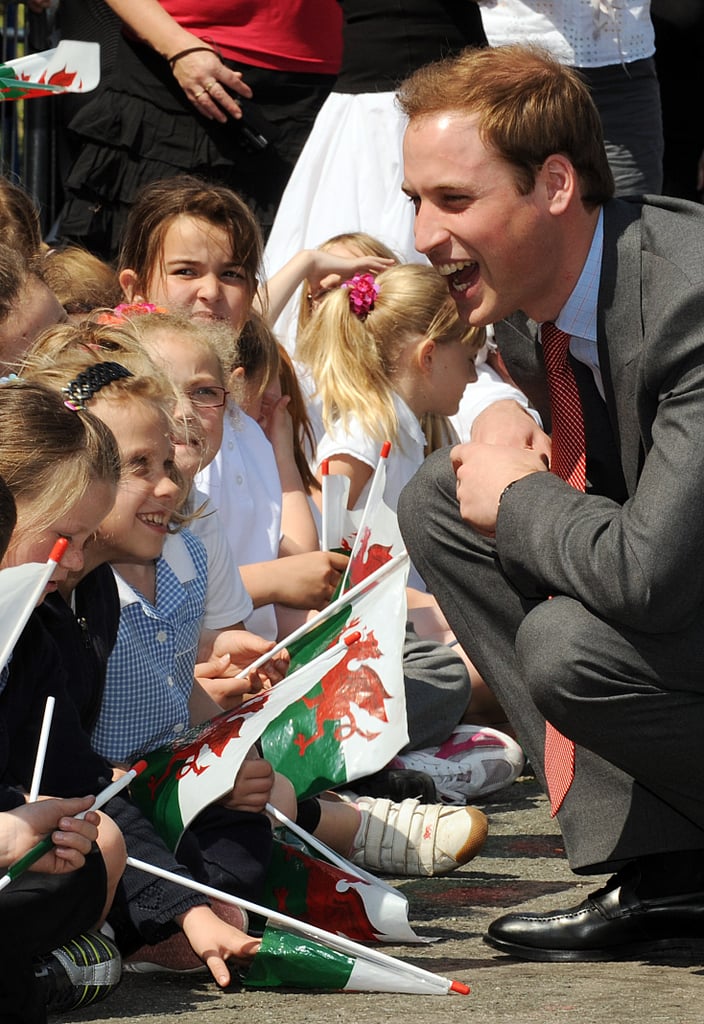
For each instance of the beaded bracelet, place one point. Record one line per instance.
(184, 53)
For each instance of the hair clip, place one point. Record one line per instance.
(10, 379)
(87, 384)
(363, 290)
(125, 310)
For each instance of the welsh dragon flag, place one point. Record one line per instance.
(338, 715)
(371, 534)
(352, 721)
(72, 66)
(295, 955)
(350, 903)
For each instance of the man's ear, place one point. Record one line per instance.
(128, 283)
(560, 179)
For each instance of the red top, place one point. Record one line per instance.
(286, 35)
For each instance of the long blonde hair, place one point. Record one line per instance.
(50, 454)
(60, 354)
(353, 358)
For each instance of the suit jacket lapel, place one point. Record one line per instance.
(619, 330)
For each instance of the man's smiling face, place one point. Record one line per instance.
(487, 239)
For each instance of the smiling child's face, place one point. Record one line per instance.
(147, 496)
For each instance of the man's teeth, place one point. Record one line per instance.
(451, 268)
(447, 269)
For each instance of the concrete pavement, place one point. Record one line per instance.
(522, 864)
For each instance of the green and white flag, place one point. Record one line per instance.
(352, 720)
(291, 961)
(339, 714)
(72, 66)
(298, 955)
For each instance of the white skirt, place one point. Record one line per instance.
(347, 178)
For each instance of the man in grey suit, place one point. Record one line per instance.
(581, 610)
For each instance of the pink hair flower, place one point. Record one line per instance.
(363, 290)
(137, 308)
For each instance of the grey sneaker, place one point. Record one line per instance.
(84, 971)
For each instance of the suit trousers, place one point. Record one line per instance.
(633, 703)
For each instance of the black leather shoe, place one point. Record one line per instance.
(611, 924)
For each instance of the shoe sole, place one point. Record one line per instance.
(632, 951)
(144, 967)
(477, 837)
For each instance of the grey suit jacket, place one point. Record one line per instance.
(638, 563)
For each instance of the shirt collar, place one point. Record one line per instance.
(407, 419)
(174, 556)
(578, 315)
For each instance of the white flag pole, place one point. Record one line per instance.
(376, 491)
(326, 613)
(327, 852)
(41, 750)
(433, 982)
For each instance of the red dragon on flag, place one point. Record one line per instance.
(72, 66)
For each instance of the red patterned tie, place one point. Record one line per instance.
(568, 461)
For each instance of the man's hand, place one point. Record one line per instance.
(507, 423)
(483, 471)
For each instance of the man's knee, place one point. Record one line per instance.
(550, 648)
(425, 488)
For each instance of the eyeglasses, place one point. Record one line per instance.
(208, 397)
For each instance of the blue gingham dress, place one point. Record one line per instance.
(150, 670)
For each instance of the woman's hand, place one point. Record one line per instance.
(206, 80)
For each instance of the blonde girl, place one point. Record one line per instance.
(61, 467)
(386, 354)
(383, 352)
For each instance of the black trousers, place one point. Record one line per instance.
(39, 912)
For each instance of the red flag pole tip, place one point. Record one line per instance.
(139, 767)
(59, 550)
(325, 467)
(460, 988)
(352, 638)
(385, 449)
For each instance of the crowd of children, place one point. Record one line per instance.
(176, 443)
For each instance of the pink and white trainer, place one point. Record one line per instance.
(473, 762)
